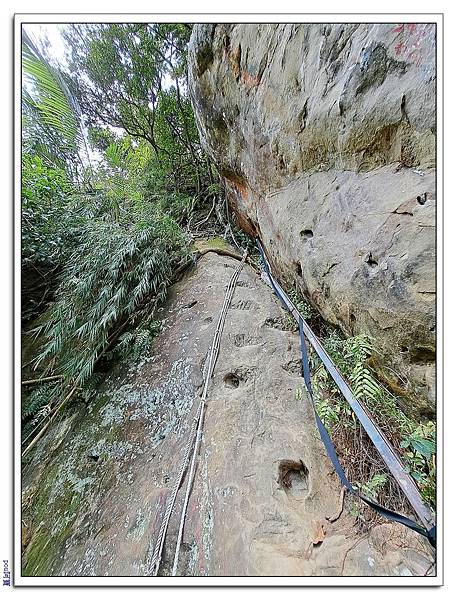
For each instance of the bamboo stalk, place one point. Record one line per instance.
(74, 389)
(46, 426)
(42, 379)
(36, 428)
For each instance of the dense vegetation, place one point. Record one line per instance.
(114, 188)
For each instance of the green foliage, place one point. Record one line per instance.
(420, 456)
(135, 343)
(134, 77)
(303, 307)
(101, 137)
(350, 356)
(52, 104)
(36, 405)
(119, 177)
(372, 488)
(52, 123)
(52, 144)
(335, 411)
(40, 396)
(52, 216)
(179, 206)
(101, 242)
(115, 270)
(43, 192)
(332, 408)
(42, 183)
(356, 351)
(422, 440)
(416, 442)
(238, 237)
(123, 180)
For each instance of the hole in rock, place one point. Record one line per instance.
(404, 349)
(422, 354)
(422, 199)
(298, 269)
(190, 304)
(293, 478)
(93, 457)
(306, 233)
(371, 261)
(231, 380)
(352, 321)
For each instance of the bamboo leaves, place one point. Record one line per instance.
(114, 271)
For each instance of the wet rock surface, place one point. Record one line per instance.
(324, 135)
(95, 487)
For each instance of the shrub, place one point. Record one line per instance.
(115, 271)
(43, 192)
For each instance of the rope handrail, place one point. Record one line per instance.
(195, 434)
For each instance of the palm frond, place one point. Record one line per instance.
(56, 119)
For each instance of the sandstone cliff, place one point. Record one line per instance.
(324, 136)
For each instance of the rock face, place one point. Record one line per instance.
(324, 136)
(96, 486)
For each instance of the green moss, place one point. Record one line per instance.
(48, 540)
(50, 534)
(38, 556)
(68, 481)
(98, 403)
(56, 505)
(212, 243)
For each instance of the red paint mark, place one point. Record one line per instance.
(399, 48)
(410, 44)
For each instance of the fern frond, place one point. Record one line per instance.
(356, 351)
